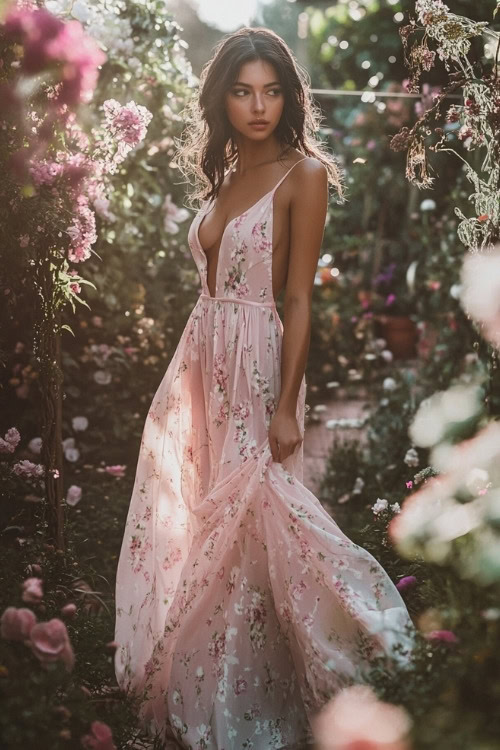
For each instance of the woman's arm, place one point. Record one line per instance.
(308, 213)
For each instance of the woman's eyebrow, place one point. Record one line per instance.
(249, 86)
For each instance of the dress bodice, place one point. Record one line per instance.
(244, 260)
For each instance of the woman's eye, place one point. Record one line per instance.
(239, 91)
(276, 92)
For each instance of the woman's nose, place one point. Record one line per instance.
(258, 103)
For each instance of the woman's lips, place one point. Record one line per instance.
(259, 125)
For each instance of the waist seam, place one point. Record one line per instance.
(239, 301)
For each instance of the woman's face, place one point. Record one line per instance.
(256, 97)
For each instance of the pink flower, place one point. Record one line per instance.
(356, 720)
(28, 470)
(406, 583)
(391, 298)
(100, 739)
(75, 287)
(444, 636)
(32, 590)
(409, 485)
(10, 441)
(117, 470)
(129, 121)
(50, 643)
(16, 624)
(69, 610)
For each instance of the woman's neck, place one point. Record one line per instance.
(253, 154)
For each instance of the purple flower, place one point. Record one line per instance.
(385, 276)
(391, 298)
(406, 583)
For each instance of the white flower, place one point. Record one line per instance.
(320, 407)
(80, 11)
(480, 293)
(387, 355)
(389, 384)
(396, 508)
(80, 424)
(173, 215)
(411, 458)
(456, 291)
(72, 454)
(344, 423)
(74, 495)
(379, 506)
(457, 404)
(102, 377)
(358, 486)
(68, 443)
(477, 481)
(428, 205)
(134, 63)
(35, 445)
(101, 205)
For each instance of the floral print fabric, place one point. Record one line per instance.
(241, 605)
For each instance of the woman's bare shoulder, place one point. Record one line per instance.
(310, 175)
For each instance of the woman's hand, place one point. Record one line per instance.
(284, 435)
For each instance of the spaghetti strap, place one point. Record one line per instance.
(287, 173)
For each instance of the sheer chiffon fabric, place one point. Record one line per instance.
(241, 605)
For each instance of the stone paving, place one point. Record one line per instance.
(318, 440)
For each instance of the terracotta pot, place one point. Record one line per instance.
(401, 335)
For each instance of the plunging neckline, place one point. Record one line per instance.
(231, 221)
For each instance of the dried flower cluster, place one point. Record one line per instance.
(475, 123)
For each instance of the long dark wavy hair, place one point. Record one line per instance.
(207, 149)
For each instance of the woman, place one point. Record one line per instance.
(241, 605)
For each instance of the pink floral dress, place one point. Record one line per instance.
(241, 605)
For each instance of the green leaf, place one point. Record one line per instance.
(67, 328)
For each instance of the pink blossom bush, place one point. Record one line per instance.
(17, 624)
(49, 42)
(50, 643)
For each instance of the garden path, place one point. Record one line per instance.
(318, 440)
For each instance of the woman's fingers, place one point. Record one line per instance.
(281, 451)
